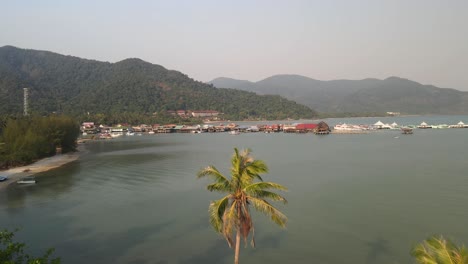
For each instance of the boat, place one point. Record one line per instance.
(234, 132)
(406, 130)
(459, 125)
(116, 134)
(27, 180)
(424, 125)
(3, 178)
(394, 125)
(348, 127)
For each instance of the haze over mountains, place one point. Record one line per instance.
(73, 85)
(368, 96)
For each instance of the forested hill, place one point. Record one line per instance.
(358, 96)
(75, 86)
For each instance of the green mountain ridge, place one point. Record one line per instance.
(370, 95)
(72, 85)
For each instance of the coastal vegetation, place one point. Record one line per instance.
(12, 252)
(438, 250)
(25, 139)
(245, 188)
(127, 91)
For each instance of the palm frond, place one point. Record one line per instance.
(245, 220)
(441, 248)
(422, 255)
(267, 195)
(219, 187)
(437, 250)
(462, 255)
(257, 167)
(216, 212)
(266, 208)
(265, 186)
(214, 173)
(230, 222)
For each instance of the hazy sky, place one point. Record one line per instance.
(422, 40)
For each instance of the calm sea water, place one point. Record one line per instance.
(352, 198)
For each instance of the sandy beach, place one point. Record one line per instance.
(42, 165)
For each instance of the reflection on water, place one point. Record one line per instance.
(136, 199)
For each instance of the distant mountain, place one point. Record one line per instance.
(358, 96)
(228, 82)
(73, 85)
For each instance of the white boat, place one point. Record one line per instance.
(234, 132)
(116, 134)
(424, 125)
(346, 127)
(27, 180)
(394, 125)
(459, 125)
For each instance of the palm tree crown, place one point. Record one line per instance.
(231, 213)
(437, 250)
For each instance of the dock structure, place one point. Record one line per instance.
(322, 129)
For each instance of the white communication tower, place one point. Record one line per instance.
(25, 101)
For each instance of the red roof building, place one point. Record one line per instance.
(306, 127)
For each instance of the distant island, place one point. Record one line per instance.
(368, 97)
(132, 91)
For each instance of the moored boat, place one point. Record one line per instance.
(424, 125)
(27, 180)
(406, 130)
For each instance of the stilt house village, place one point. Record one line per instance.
(105, 132)
(101, 131)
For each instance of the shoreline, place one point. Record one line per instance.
(42, 165)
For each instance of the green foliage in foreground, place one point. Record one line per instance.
(12, 252)
(25, 139)
(438, 250)
(245, 188)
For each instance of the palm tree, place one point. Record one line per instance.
(437, 250)
(232, 212)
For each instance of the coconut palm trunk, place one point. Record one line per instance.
(237, 250)
(243, 189)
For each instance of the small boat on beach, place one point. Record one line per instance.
(3, 178)
(27, 180)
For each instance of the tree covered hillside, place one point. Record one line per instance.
(358, 96)
(78, 86)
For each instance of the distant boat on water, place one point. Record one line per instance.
(406, 130)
